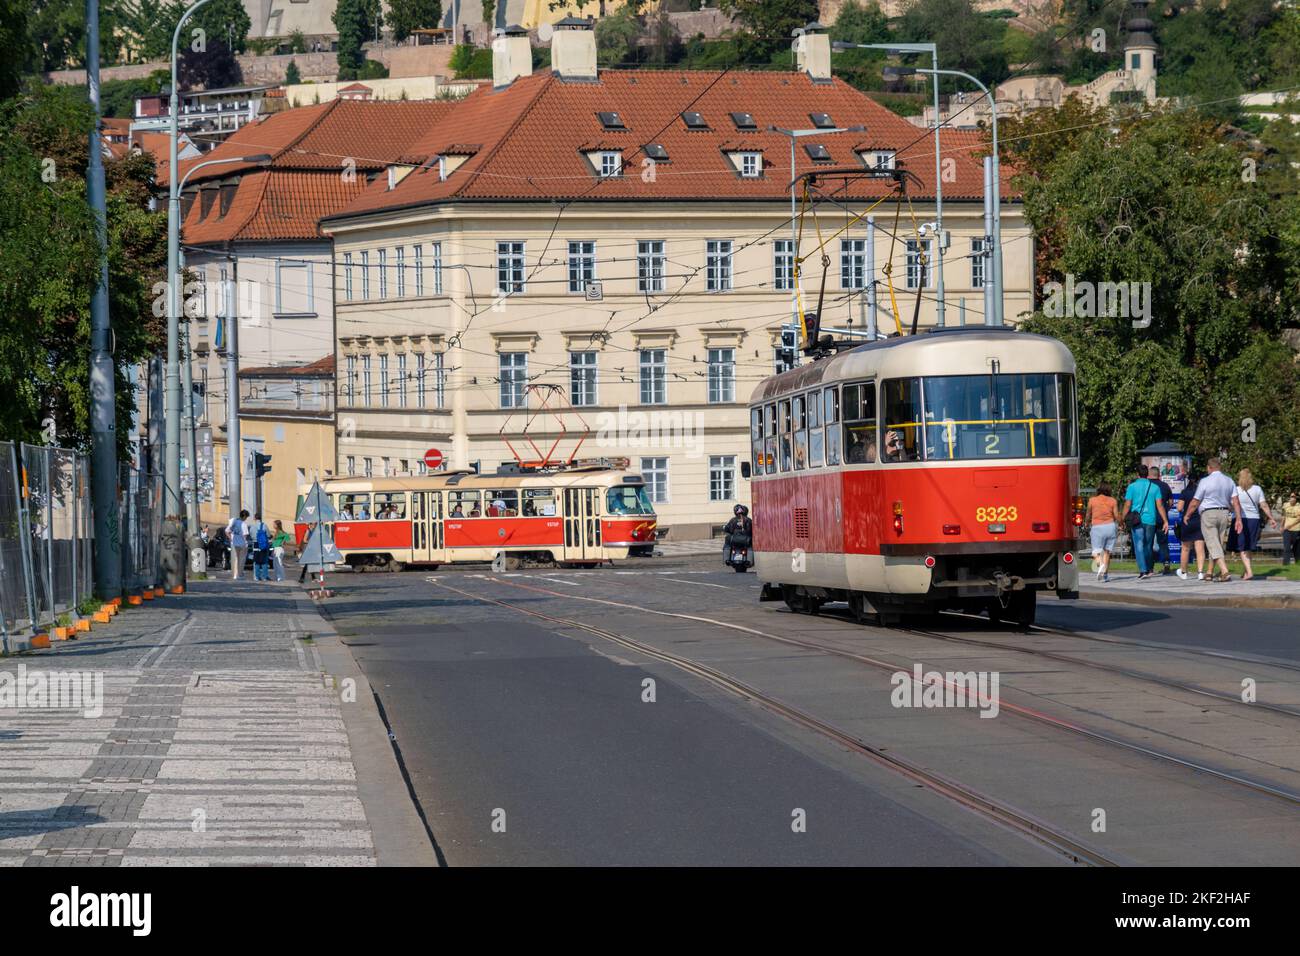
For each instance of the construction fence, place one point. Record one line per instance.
(47, 535)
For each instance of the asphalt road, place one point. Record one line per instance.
(530, 743)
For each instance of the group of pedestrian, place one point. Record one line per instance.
(1218, 516)
(266, 544)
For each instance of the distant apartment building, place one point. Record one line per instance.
(206, 117)
(250, 236)
(621, 242)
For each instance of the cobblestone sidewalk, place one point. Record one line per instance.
(219, 742)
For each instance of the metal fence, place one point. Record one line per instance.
(47, 532)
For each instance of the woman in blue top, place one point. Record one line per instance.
(1142, 499)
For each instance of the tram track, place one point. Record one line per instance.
(1026, 713)
(994, 810)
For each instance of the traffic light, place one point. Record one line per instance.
(261, 464)
(789, 342)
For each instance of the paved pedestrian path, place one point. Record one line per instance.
(218, 740)
(672, 549)
(1170, 589)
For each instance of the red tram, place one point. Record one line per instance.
(920, 473)
(579, 516)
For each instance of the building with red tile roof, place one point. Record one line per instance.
(626, 238)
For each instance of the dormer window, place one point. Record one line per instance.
(881, 159)
(611, 120)
(610, 164)
(822, 120)
(744, 121)
(694, 121)
(817, 153)
(751, 165)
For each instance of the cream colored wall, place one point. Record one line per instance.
(409, 87)
(292, 445)
(546, 322)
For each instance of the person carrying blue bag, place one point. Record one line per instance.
(261, 550)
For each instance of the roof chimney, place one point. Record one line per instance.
(512, 55)
(573, 49)
(812, 52)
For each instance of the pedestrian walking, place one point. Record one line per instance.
(1217, 503)
(1250, 497)
(1291, 529)
(1144, 512)
(279, 542)
(261, 538)
(1160, 546)
(1103, 514)
(1189, 531)
(237, 531)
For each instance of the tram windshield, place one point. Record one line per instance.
(629, 500)
(960, 417)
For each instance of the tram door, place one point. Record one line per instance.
(426, 526)
(582, 523)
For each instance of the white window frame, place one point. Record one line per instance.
(418, 265)
(383, 273)
(654, 471)
(722, 477)
(609, 164)
(653, 364)
(978, 263)
(351, 464)
(853, 263)
(350, 380)
(722, 376)
(584, 378)
(511, 266)
(751, 165)
(383, 380)
(367, 383)
(365, 275)
(368, 467)
(293, 265)
(401, 379)
(718, 264)
(582, 264)
(914, 272)
(439, 380)
(347, 277)
(421, 380)
(783, 265)
(400, 265)
(513, 379)
(435, 249)
(651, 257)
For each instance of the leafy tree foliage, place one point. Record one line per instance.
(291, 74)
(770, 23)
(355, 20)
(616, 37)
(407, 16)
(49, 256)
(967, 39)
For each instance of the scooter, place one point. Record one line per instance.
(738, 558)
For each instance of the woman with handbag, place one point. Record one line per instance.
(281, 540)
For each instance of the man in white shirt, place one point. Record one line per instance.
(237, 531)
(1216, 499)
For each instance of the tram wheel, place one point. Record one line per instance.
(791, 598)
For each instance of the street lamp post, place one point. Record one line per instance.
(173, 564)
(996, 238)
(795, 134)
(933, 50)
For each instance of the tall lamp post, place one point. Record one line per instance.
(997, 179)
(187, 409)
(796, 134)
(933, 50)
(173, 536)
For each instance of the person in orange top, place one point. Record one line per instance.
(1103, 518)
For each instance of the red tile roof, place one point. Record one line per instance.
(533, 134)
(310, 149)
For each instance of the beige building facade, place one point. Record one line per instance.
(648, 318)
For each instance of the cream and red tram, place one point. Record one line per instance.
(919, 473)
(579, 515)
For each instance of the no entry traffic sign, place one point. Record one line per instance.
(433, 459)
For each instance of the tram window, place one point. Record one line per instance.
(800, 433)
(503, 503)
(629, 500)
(831, 417)
(354, 507)
(997, 416)
(902, 420)
(816, 445)
(463, 504)
(859, 416)
(539, 502)
(769, 439)
(783, 434)
(390, 505)
(756, 439)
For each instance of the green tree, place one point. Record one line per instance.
(13, 37)
(356, 22)
(860, 23)
(291, 74)
(1162, 200)
(967, 39)
(49, 256)
(297, 42)
(769, 24)
(407, 16)
(616, 37)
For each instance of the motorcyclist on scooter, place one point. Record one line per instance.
(739, 533)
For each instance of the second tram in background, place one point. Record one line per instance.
(578, 515)
(920, 473)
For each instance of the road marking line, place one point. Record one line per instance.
(703, 584)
